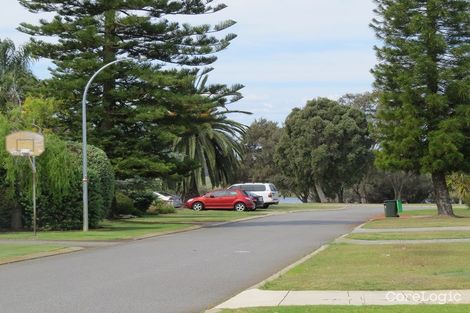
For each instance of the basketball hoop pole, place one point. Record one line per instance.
(32, 161)
(33, 166)
(84, 142)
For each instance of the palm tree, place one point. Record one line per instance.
(212, 141)
(459, 184)
(14, 72)
(216, 147)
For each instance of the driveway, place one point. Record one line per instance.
(179, 273)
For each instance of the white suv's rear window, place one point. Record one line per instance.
(253, 187)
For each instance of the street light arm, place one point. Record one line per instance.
(85, 93)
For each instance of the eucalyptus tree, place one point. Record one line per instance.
(423, 77)
(260, 141)
(324, 147)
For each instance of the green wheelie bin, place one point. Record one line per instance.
(391, 208)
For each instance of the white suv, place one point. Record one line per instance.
(267, 191)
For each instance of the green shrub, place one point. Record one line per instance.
(124, 206)
(59, 176)
(61, 207)
(142, 199)
(161, 207)
(5, 209)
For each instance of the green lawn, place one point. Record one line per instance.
(8, 251)
(109, 230)
(381, 267)
(137, 227)
(422, 218)
(358, 309)
(411, 235)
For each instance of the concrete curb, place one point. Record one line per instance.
(217, 308)
(289, 267)
(95, 244)
(40, 255)
(110, 242)
(253, 297)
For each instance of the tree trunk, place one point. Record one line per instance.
(314, 196)
(362, 192)
(444, 207)
(320, 193)
(303, 196)
(340, 195)
(109, 55)
(192, 191)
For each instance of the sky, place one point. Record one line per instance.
(286, 52)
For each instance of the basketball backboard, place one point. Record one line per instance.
(25, 143)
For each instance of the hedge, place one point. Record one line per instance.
(59, 202)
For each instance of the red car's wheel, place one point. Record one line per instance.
(240, 207)
(198, 206)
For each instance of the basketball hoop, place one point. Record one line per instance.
(27, 144)
(25, 152)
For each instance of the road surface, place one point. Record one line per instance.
(179, 273)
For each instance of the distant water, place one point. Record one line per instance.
(289, 200)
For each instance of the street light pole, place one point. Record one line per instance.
(84, 143)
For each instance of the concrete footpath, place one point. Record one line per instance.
(269, 298)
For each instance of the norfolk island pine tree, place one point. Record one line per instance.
(423, 77)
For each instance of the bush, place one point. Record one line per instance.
(61, 207)
(142, 199)
(59, 177)
(161, 207)
(5, 210)
(124, 205)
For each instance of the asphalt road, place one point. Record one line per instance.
(179, 273)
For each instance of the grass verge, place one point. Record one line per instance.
(412, 235)
(382, 267)
(109, 230)
(10, 251)
(138, 227)
(422, 218)
(357, 309)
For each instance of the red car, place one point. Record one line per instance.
(222, 199)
